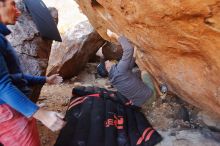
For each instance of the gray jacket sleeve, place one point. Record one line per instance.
(127, 60)
(132, 63)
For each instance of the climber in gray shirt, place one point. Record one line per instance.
(121, 76)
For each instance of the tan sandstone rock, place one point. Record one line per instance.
(178, 42)
(80, 43)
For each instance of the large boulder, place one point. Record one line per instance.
(178, 42)
(33, 51)
(80, 43)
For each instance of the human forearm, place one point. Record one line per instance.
(17, 100)
(11, 95)
(127, 60)
(34, 80)
(52, 120)
(128, 49)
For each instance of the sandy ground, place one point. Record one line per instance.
(55, 98)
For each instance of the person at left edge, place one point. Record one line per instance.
(17, 112)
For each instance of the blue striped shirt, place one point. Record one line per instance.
(14, 84)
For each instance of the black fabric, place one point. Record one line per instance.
(122, 138)
(98, 117)
(134, 134)
(96, 134)
(83, 126)
(142, 123)
(110, 131)
(68, 131)
(43, 19)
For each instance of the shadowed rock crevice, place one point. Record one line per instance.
(94, 3)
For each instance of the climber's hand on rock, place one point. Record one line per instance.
(112, 34)
(50, 119)
(54, 79)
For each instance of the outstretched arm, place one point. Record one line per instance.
(13, 96)
(36, 80)
(127, 59)
(32, 80)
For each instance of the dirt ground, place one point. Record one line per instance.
(55, 98)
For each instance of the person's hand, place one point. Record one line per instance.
(112, 34)
(50, 119)
(54, 79)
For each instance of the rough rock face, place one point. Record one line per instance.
(186, 138)
(79, 44)
(33, 51)
(178, 42)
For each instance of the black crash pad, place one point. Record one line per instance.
(98, 117)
